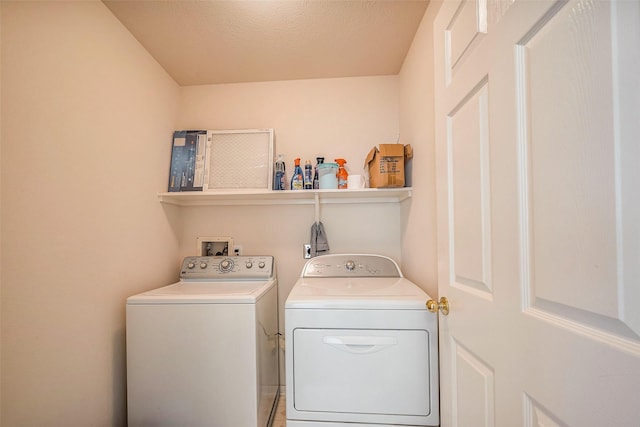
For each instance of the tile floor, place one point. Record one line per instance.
(280, 418)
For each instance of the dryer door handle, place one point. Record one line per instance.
(360, 344)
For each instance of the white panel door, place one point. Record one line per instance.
(538, 157)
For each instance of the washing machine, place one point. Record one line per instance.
(204, 351)
(361, 346)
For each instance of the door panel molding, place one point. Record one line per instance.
(463, 31)
(570, 174)
(469, 192)
(537, 415)
(473, 389)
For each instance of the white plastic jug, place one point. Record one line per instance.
(327, 178)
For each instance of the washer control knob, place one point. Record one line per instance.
(261, 264)
(350, 265)
(249, 264)
(203, 265)
(226, 265)
(190, 265)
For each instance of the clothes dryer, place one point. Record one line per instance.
(361, 347)
(204, 351)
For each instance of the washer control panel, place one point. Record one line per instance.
(351, 265)
(227, 268)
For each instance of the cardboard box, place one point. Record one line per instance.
(386, 165)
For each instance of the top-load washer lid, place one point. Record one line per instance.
(185, 292)
(205, 293)
(357, 294)
(354, 281)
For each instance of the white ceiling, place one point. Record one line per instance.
(230, 41)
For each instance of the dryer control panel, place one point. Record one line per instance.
(351, 265)
(227, 268)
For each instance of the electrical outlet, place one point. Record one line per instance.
(307, 251)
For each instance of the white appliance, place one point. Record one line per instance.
(361, 347)
(204, 351)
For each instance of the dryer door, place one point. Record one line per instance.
(362, 371)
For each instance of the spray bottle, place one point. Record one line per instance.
(297, 180)
(279, 178)
(342, 174)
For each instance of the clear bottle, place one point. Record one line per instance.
(279, 178)
(308, 176)
(316, 181)
(297, 179)
(342, 174)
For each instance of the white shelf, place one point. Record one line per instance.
(288, 197)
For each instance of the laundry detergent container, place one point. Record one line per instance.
(327, 176)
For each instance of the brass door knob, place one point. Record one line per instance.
(443, 306)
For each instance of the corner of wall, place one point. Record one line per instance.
(419, 239)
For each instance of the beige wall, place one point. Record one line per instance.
(341, 117)
(85, 118)
(419, 244)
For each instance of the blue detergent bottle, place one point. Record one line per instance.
(308, 176)
(279, 178)
(297, 180)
